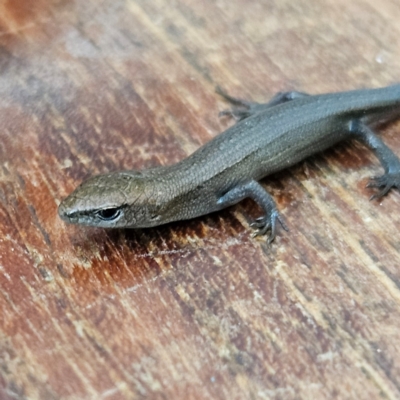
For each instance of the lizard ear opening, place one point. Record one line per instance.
(109, 214)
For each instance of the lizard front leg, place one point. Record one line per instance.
(255, 191)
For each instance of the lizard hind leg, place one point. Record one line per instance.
(248, 108)
(389, 161)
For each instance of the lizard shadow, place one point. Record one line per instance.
(130, 257)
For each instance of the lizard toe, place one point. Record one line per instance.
(267, 223)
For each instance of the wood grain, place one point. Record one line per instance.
(196, 309)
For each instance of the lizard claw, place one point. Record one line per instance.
(386, 181)
(268, 223)
(238, 115)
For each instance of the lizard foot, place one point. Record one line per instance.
(386, 182)
(238, 115)
(245, 110)
(268, 223)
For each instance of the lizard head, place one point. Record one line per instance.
(116, 200)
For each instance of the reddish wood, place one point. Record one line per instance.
(196, 309)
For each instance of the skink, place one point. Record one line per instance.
(266, 138)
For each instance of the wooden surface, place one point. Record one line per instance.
(197, 309)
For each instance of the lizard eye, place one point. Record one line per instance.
(109, 214)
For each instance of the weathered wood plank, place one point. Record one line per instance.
(196, 309)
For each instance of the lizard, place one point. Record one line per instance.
(267, 137)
